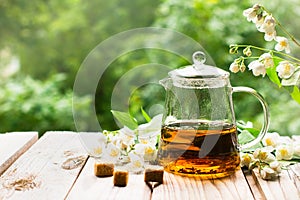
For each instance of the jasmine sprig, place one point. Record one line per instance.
(281, 68)
(282, 27)
(235, 47)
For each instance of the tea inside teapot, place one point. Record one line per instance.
(199, 134)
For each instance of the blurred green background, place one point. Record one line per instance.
(43, 43)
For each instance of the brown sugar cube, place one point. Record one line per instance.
(120, 178)
(103, 169)
(154, 174)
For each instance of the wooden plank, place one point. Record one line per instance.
(294, 175)
(255, 189)
(42, 165)
(283, 188)
(179, 187)
(88, 186)
(13, 145)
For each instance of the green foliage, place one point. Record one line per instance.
(128, 120)
(55, 36)
(125, 119)
(30, 105)
(145, 115)
(246, 135)
(273, 76)
(51, 37)
(296, 94)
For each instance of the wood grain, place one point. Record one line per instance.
(178, 187)
(282, 188)
(44, 160)
(13, 145)
(254, 187)
(89, 187)
(294, 175)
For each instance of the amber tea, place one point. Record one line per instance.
(207, 150)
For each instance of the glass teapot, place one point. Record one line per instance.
(199, 133)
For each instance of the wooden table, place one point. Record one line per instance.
(40, 169)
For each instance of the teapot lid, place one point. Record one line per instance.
(199, 74)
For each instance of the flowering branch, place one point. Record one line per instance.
(282, 28)
(281, 68)
(235, 47)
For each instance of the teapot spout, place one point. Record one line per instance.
(166, 83)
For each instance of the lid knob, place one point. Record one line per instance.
(199, 59)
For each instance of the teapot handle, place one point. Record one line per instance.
(266, 123)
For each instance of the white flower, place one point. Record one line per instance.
(285, 69)
(112, 138)
(251, 13)
(269, 36)
(282, 44)
(267, 60)
(264, 155)
(136, 162)
(296, 146)
(94, 142)
(284, 152)
(152, 128)
(147, 151)
(234, 67)
(127, 136)
(246, 159)
(285, 140)
(268, 173)
(271, 139)
(259, 21)
(257, 68)
(150, 140)
(269, 25)
(276, 166)
(98, 150)
(111, 153)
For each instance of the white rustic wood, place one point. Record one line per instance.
(294, 175)
(14, 144)
(282, 188)
(254, 187)
(44, 160)
(89, 187)
(178, 187)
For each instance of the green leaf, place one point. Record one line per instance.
(125, 119)
(272, 74)
(145, 115)
(296, 94)
(245, 137)
(253, 131)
